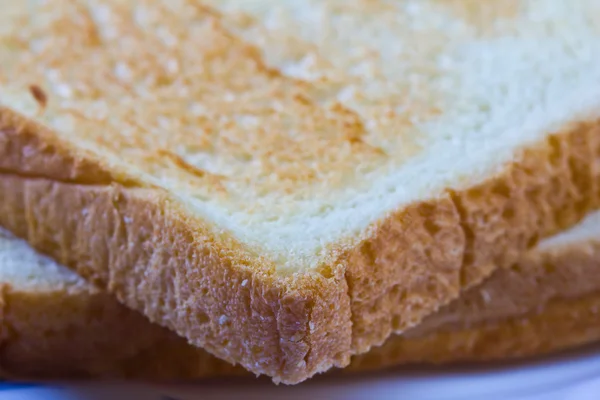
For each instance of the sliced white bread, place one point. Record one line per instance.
(54, 324)
(289, 183)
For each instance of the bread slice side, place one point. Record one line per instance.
(545, 302)
(241, 308)
(54, 324)
(110, 215)
(562, 324)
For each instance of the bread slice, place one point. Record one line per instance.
(54, 324)
(562, 324)
(287, 185)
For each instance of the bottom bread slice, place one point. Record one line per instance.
(563, 324)
(54, 324)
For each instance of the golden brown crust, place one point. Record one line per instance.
(63, 344)
(242, 313)
(144, 248)
(424, 256)
(78, 332)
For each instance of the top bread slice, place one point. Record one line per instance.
(285, 184)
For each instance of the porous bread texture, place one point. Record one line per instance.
(55, 325)
(397, 197)
(562, 266)
(546, 302)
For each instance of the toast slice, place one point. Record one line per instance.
(287, 185)
(54, 324)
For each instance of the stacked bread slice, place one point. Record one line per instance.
(288, 184)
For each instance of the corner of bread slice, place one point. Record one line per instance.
(144, 247)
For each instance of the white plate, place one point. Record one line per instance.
(570, 376)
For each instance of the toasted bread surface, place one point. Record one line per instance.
(271, 217)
